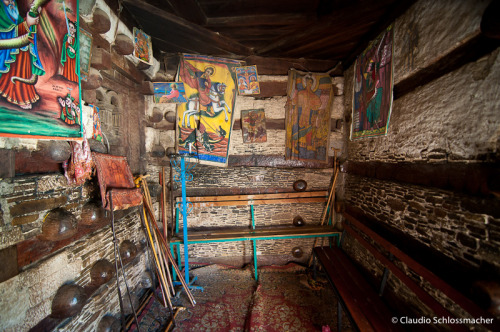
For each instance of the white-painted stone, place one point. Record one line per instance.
(441, 26)
(338, 107)
(338, 82)
(275, 144)
(26, 298)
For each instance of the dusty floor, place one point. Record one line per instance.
(285, 298)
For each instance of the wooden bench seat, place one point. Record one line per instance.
(364, 305)
(360, 300)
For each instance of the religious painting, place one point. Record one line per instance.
(373, 82)
(40, 69)
(307, 118)
(96, 124)
(205, 121)
(247, 79)
(169, 93)
(253, 126)
(143, 49)
(85, 53)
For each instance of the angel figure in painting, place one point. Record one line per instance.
(20, 64)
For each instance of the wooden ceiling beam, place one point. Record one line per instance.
(280, 66)
(173, 26)
(188, 9)
(261, 20)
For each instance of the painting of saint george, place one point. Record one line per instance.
(307, 117)
(39, 69)
(373, 82)
(205, 121)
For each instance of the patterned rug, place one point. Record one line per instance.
(284, 299)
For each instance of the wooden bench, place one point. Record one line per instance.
(363, 304)
(253, 232)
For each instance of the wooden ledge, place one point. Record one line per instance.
(269, 233)
(257, 199)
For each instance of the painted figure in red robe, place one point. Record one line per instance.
(69, 52)
(19, 67)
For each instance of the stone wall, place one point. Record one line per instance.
(33, 186)
(271, 175)
(447, 124)
(28, 290)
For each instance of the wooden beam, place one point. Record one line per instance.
(281, 66)
(478, 178)
(262, 202)
(269, 20)
(223, 235)
(255, 196)
(152, 18)
(188, 9)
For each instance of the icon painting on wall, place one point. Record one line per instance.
(169, 93)
(307, 118)
(253, 126)
(205, 121)
(143, 49)
(39, 69)
(85, 53)
(248, 83)
(373, 80)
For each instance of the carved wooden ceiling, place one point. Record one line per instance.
(318, 30)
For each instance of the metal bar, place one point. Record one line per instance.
(174, 274)
(385, 276)
(184, 220)
(254, 245)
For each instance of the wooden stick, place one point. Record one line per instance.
(170, 257)
(157, 263)
(164, 202)
(332, 190)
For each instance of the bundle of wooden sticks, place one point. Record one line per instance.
(160, 250)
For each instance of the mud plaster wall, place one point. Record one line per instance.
(452, 119)
(211, 180)
(27, 291)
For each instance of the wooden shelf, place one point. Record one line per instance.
(268, 233)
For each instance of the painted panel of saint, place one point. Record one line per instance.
(307, 119)
(39, 69)
(373, 85)
(205, 121)
(253, 126)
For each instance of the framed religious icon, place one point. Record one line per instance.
(85, 53)
(143, 49)
(40, 70)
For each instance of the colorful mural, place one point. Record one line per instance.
(373, 81)
(307, 118)
(39, 69)
(205, 121)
